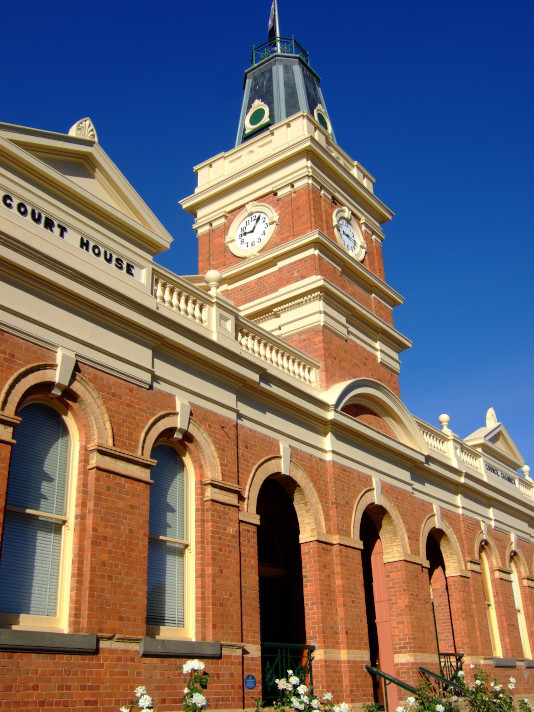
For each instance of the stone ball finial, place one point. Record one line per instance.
(213, 279)
(444, 421)
(526, 471)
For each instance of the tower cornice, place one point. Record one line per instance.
(291, 153)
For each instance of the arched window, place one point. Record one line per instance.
(523, 629)
(169, 546)
(33, 582)
(490, 604)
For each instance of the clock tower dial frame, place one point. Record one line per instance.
(251, 229)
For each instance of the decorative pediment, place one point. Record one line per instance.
(75, 166)
(494, 439)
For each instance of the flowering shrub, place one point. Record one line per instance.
(426, 701)
(297, 696)
(486, 696)
(194, 698)
(143, 701)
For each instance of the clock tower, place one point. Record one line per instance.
(294, 226)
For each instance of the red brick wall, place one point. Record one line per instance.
(108, 590)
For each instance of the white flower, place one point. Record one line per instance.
(289, 673)
(471, 666)
(141, 690)
(125, 709)
(305, 699)
(283, 684)
(198, 700)
(440, 708)
(191, 665)
(460, 673)
(343, 707)
(297, 704)
(327, 696)
(399, 709)
(302, 689)
(186, 690)
(511, 686)
(410, 701)
(498, 688)
(315, 703)
(294, 680)
(145, 701)
(478, 682)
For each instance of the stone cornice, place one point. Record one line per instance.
(322, 246)
(287, 152)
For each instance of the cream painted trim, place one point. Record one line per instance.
(249, 518)
(312, 243)
(275, 159)
(15, 147)
(60, 622)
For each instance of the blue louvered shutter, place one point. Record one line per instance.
(165, 597)
(31, 543)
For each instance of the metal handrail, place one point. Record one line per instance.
(388, 680)
(443, 682)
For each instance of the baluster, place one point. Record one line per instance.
(168, 295)
(183, 303)
(190, 307)
(159, 290)
(204, 315)
(198, 317)
(175, 299)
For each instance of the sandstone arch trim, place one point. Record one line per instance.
(201, 441)
(395, 543)
(515, 553)
(85, 395)
(382, 401)
(448, 544)
(482, 539)
(300, 489)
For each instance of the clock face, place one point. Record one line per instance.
(350, 236)
(252, 230)
(346, 233)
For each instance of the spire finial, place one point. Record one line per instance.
(273, 31)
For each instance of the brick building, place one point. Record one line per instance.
(221, 466)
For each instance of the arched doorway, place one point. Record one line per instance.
(282, 618)
(441, 604)
(376, 603)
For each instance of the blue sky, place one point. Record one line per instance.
(435, 99)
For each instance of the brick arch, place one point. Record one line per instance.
(379, 400)
(203, 444)
(519, 558)
(448, 544)
(79, 391)
(395, 543)
(482, 539)
(299, 488)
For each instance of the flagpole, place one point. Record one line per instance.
(277, 26)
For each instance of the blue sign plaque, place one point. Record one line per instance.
(250, 682)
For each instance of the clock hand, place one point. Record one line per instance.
(253, 227)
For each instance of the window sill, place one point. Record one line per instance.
(504, 662)
(30, 641)
(167, 648)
